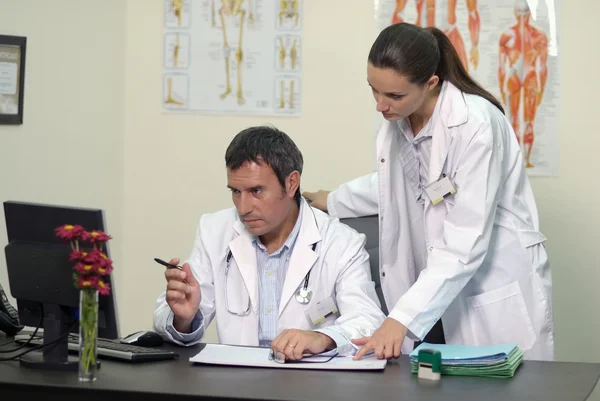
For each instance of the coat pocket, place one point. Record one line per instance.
(530, 238)
(500, 316)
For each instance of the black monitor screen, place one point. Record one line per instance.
(31, 239)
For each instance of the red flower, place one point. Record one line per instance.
(77, 255)
(95, 236)
(89, 267)
(104, 270)
(105, 258)
(87, 282)
(83, 268)
(69, 232)
(95, 258)
(94, 262)
(102, 287)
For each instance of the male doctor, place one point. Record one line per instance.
(274, 271)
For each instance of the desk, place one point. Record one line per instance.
(177, 380)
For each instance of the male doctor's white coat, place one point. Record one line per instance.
(476, 260)
(339, 268)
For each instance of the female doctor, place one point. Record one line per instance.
(458, 232)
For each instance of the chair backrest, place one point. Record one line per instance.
(369, 226)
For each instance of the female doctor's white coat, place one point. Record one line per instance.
(339, 268)
(476, 260)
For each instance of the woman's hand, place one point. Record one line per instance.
(317, 199)
(386, 341)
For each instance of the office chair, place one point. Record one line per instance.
(369, 225)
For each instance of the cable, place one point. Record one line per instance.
(38, 347)
(52, 344)
(25, 344)
(6, 343)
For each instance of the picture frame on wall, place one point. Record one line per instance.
(12, 78)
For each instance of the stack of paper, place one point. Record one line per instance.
(469, 360)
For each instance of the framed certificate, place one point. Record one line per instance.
(12, 78)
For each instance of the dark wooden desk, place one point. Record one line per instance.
(179, 380)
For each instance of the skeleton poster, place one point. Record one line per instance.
(232, 57)
(511, 48)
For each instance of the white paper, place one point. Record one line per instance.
(8, 78)
(218, 58)
(217, 354)
(486, 33)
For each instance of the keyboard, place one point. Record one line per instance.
(111, 349)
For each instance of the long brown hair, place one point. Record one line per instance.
(419, 53)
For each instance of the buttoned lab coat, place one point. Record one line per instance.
(477, 260)
(340, 269)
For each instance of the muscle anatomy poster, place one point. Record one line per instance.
(511, 48)
(232, 56)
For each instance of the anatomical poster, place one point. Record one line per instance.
(511, 48)
(232, 57)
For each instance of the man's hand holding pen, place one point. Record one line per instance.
(183, 295)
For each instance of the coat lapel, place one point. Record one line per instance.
(244, 255)
(303, 257)
(452, 112)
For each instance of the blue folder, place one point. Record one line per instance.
(469, 360)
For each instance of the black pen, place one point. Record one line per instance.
(167, 265)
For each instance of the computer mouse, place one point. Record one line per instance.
(144, 339)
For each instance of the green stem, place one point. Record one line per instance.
(88, 322)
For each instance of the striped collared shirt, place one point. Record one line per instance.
(272, 270)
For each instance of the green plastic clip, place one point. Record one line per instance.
(430, 364)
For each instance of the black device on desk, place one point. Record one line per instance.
(110, 349)
(9, 317)
(144, 339)
(40, 278)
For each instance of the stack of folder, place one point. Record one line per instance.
(467, 360)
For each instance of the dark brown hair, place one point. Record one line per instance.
(266, 144)
(419, 53)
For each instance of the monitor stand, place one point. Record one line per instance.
(55, 351)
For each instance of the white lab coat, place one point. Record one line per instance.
(340, 269)
(476, 260)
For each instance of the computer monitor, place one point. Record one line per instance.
(41, 277)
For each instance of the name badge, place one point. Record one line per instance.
(321, 311)
(440, 190)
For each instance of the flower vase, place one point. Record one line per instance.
(88, 333)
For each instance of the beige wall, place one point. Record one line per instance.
(94, 79)
(69, 150)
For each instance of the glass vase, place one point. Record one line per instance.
(88, 334)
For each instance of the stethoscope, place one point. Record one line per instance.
(303, 294)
